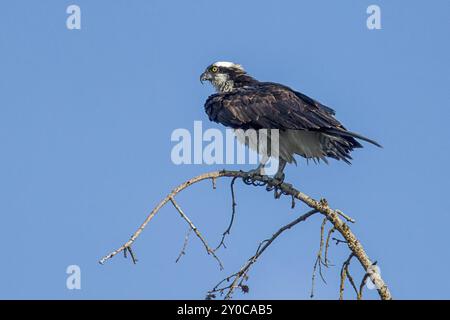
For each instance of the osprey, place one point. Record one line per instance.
(306, 127)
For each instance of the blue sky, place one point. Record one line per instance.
(85, 123)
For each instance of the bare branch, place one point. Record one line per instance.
(346, 217)
(345, 273)
(319, 262)
(197, 232)
(339, 240)
(233, 213)
(344, 276)
(133, 257)
(283, 189)
(327, 245)
(361, 286)
(242, 275)
(186, 240)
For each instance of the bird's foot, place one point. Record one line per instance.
(252, 174)
(279, 176)
(275, 184)
(255, 172)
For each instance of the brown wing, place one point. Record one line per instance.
(268, 106)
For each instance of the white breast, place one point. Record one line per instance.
(307, 144)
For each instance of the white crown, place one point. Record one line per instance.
(227, 64)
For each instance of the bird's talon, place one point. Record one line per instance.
(279, 178)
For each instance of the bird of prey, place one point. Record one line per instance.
(306, 127)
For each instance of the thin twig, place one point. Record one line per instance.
(186, 240)
(367, 276)
(233, 213)
(339, 241)
(133, 257)
(319, 261)
(240, 276)
(361, 286)
(344, 274)
(346, 217)
(327, 245)
(350, 279)
(197, 232)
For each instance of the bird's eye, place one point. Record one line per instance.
(214, 69)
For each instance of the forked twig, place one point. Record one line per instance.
(345, 273)
(197, 232)
(242, 275)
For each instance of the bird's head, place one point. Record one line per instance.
(223, 75)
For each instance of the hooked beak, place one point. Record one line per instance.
(205, 76)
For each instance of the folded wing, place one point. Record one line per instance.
(269, 106)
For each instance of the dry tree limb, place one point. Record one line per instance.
(346, 217)
(186, 240)
(319, 262)
(129, 243)
(242, 275)
(133, 257)
(364, 279)
(338, 240)
(197, 232)
(327, 245)
(286, 189)
(345, 273)
(343, 276)
(233, 213)
(361, 286)
(350, 279)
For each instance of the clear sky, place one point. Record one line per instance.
(85, 123)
